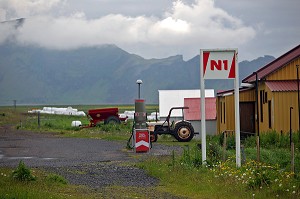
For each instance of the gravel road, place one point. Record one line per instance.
(95, 163)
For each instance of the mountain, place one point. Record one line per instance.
(97, 75)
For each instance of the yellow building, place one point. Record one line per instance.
(277, 96)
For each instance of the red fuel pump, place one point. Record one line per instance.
(141, 135)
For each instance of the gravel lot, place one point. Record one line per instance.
(95, 163)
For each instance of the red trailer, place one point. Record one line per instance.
(106, 115)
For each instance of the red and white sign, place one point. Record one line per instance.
(142, 140)
(219, 64)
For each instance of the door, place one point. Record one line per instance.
(247, 117)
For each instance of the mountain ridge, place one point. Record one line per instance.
(97, 75)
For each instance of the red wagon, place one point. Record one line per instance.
(106, 115)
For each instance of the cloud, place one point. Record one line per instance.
(26, 8)
(183, 28)
(6, 31)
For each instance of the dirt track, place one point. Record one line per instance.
(92, 162)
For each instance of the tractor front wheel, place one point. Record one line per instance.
(183, 131)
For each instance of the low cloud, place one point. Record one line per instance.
(185, 28)
(27, 8)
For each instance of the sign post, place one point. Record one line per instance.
(203, 119)
(220, 64)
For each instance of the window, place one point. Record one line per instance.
(266, 97)
(224, 112)
(221, 114)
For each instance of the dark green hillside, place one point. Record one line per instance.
(96, 75)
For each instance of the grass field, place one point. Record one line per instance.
(180, 174)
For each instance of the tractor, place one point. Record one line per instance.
(182, 130)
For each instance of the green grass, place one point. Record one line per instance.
(188, 182)
(46, 185)
(180, 176)
(61, 124)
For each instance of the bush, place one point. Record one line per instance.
(191, 158)
(48, 125)
(261, 176)
(271, 140)
(250, 142)
(22, 173)
(230, 141)
(54, 178)
(214, 153)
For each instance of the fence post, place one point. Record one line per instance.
(224, 145)
(292, 157)
(15, 104)
(39, 120)
(291, 133)
(258, 148)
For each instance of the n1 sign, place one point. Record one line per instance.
(219, 64)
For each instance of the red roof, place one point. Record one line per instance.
(194, 111)
(287, 85)
(274, 65)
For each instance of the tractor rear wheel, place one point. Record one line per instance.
(112, 120)
(183, 131)
(153, 136)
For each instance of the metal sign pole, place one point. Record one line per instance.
(237, 112)
(203, 126)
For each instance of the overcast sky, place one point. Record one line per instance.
(157, 28)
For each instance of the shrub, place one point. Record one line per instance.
(191, 158)
(54, 178)
(261, 177)
(22, 173)
(230, 141)
(214, 153)
(250, 142)
(48, 125)
(270, 140)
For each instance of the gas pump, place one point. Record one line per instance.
(140, 133)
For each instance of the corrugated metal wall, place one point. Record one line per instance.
(282, 103)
